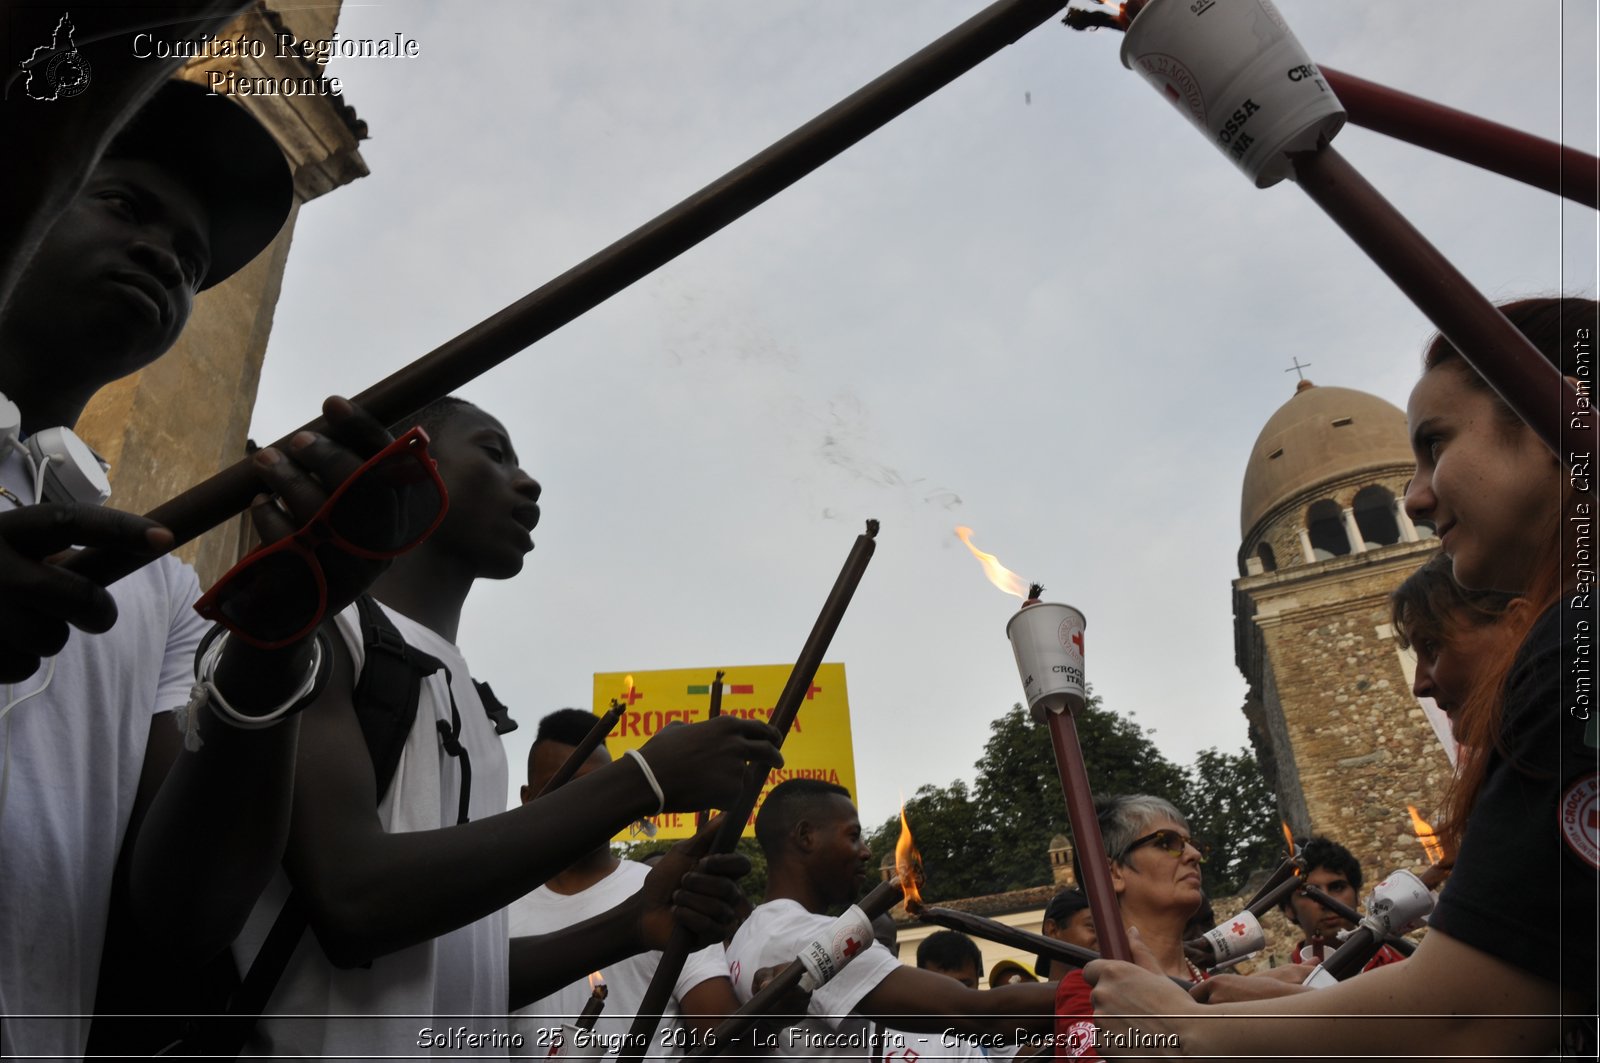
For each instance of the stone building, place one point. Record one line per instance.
(181, 419)
(1325, 540)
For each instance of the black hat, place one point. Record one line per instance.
(1064, 904)
(227, 157)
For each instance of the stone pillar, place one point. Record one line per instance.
(1352, 531)
(183, 418)
(1408, 530)
(1305, 545)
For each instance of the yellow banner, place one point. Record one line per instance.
(818, 746)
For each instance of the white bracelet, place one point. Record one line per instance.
(649, 777)
(206, 668)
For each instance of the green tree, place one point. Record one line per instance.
(1019, 790)
(1229, 804)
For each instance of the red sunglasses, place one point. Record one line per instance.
(278, 594)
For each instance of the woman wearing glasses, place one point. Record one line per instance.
(1155, 869)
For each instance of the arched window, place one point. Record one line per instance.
(1374, 510)
(1326, 528)
(1269, 561)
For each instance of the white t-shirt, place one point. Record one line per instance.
(76, 752)
(411, 1002)
(544, 911)
(772, 937)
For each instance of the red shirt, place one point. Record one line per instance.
(1074, 1036)
(1074, 1019)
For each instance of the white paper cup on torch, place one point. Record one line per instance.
(1233, 68)
(848, 937)
(1237, 938)
(1398, 904)
(1047, 638)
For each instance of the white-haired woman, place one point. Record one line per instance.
(1155, 869)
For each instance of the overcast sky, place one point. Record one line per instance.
(1040, 304)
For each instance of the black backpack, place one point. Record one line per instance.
(385, 699)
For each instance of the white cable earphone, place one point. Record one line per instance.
(64, 466)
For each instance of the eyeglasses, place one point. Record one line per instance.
(1171, 842)
(279, 594)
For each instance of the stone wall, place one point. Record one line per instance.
(1351, 744)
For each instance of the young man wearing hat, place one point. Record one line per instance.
(1066, 918)
(87, 675)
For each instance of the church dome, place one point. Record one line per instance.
(1319, 435)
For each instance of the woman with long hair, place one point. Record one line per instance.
(1508, 966)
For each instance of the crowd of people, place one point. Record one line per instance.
(284, 832)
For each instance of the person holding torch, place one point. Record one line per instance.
(1509, 964)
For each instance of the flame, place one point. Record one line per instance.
(1288, 836)
(597, 984)
(627, 691)
(908, 863)
(1425, 835)
(998, 574)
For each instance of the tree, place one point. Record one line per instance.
(1229, 804)
(1019, 789)
(994, 838)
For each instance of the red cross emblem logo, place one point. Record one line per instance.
(632, 696)
(1077, 640)
(851, 947)
(1237, 928)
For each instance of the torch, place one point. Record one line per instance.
(1489, 145)
(591, 741)
(1233, 939)
(595, 1004)
(821, 959)
(642, 1032)
(1399, 904)
(1292, 867)
(1234, 69)
(576, 1040)
(1344, 911)
(1047, 639)
(703, 817)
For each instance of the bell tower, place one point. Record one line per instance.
(1325, 540)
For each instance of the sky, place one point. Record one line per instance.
(1039, 303)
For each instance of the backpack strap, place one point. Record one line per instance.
(386, 697)
(388, 690)
(503, 723)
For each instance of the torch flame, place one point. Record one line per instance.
(908, 863)
(998, 574)
(1288, 836)
(1425, 835)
